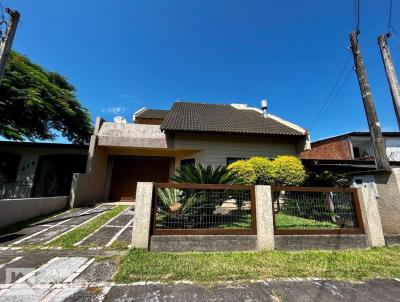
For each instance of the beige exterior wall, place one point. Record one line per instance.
(214, 150)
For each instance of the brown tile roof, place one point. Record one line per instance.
(152, 114)
(197, 117)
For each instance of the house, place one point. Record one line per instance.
(39, 169)
(159, 141)
(350, 152)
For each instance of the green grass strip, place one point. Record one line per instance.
(284, 221)
(68, 240)
(210, 268)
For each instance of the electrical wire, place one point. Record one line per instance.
(357, 15)
(390, 18)
(330, 97)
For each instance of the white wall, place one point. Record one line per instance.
(17, 210)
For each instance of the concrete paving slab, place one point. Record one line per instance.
(47, 235)
(98, 271)
(101, 237)
(126, 236)
(57, 271)
(10, 238)
(5, 259)
(77, 295)
(121, 220)
(24, 293)
(184, 292)
(24, 265)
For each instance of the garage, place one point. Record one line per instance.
(127, 171)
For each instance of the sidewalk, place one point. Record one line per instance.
(57, 275)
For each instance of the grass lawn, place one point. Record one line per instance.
(284, 221)
(67, 240)
(210, 268)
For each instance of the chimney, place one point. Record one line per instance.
(119, 120)
(264, 107)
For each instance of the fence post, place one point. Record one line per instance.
(142, 215)
(265, 218)
(371, 217)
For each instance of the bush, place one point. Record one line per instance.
(288, 170)
(263, 167)
(243, 170)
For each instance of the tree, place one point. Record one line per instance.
(34, 102)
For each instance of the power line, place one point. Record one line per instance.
(331, 93)
(357, 15)
(390, 17)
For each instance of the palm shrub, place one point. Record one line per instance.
(200, 174)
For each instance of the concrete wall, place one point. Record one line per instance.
(388, 186)
(17, 210)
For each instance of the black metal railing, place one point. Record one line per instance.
(308, 210)
(203, 209)
(16, 189)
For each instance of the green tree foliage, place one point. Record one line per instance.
(327, 179)
(200, 174)
(289, 170)
(34, 102)
(264, 169)
(244, 171)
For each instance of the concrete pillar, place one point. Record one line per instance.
(142, 215)
(265, 218)
(371, 217)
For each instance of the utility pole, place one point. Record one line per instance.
(5, 45)
(378, 142)
(390, 75)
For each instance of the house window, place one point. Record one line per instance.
(189, 161)
(230, 160)
(356, 152)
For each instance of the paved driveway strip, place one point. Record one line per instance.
(50, 228)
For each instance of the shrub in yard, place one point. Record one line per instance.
(263, 167)
(244, 171)
(288, 170)
(200, 174)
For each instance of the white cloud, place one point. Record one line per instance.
(114, 110)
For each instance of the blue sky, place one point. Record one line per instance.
(124, 55)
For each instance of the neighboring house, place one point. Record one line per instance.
(350, 152)
(159, 141)
(39, 169)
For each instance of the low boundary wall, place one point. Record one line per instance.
(17, 210)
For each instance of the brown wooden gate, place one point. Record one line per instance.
(127, 171)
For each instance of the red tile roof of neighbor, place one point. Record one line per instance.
(198, 117)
